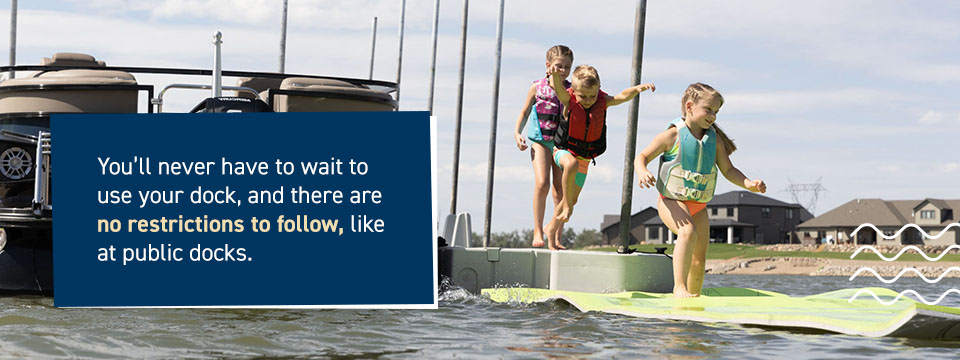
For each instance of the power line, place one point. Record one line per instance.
(814, 190)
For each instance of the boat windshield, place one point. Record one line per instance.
(26, 126)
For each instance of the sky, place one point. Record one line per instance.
(860, 95)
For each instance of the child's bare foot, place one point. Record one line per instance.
(558, 236)
(537, 240)
(551, 229)
(557, 240)
(680, 292)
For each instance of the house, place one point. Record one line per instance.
(735, 217)
(610, 228)
(889, 216)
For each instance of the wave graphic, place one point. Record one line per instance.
(901, 294)
(905, 248)
(904, 271)
(895, 235)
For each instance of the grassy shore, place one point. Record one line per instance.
(718, 251)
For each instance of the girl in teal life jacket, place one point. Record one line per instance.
(582, 133)
(691, 151)
(542, 110)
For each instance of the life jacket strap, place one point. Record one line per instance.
(674, 184)
(547, 117)
(698, 178)
(691, 193)
(582, 145)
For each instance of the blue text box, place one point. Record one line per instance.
(391, 264)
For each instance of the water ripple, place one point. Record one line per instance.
(465, 326)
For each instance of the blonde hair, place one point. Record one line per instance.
(584, 76)
(700, 91)
(559, 51)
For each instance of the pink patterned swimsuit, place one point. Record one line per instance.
(546, 112)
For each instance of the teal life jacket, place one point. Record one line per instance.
(688, 170)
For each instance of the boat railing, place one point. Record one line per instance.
(41, 195)
(382, 86)
(375, 85)
(42, 204)
(159, 100)
(18, 137)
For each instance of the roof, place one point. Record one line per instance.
(940, 204)
(743, 197)
(637, 217)
(878, 212)
(608, 220)
(856, 212)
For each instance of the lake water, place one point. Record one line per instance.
(465, 326)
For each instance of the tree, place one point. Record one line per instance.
(588, 237)
(505, 239)
(568, 237)
(513, 239)
(524, 238)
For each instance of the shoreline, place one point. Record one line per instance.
(829, 267)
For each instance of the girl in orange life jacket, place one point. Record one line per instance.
(581, 135)
(542, 108)
(692, 148)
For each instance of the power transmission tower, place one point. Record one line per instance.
(814, 190)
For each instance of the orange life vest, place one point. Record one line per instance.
(583, 132)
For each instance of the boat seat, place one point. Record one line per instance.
(327, 95)
(73, 59)
(260, 84)
(70, 91)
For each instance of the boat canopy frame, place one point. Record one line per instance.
(376, 85)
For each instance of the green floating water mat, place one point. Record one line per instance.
(831, 311)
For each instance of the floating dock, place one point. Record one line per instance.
(586, 271)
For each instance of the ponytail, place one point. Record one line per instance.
(727, 142)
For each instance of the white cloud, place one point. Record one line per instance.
(818, 31)
(931, 117)
(889, 168)
(353, 15)
(932, 73)
(950, 167)
(237, 11)
(791, 102)
(606, 173)
(477, 173)
(659, 68)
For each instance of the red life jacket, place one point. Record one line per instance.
(583, 132)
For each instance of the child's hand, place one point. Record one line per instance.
(756, 186)
(521, 143)
(554, 70)
(645, 179)
(644, 87)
